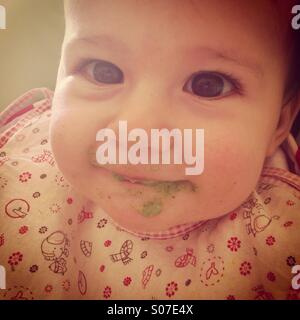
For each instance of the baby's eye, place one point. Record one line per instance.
(100, 71)
(210, 85)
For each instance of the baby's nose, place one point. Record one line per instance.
(147, 106)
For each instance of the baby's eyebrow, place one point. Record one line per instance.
(97, 40)
(243, 62)
(231, 55)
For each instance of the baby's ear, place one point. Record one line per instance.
(287, 116)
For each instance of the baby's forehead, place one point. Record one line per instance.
(176, 23)
(168, 15)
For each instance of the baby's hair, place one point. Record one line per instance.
(292, 88)
(293, 85)
(282, 16)
(295, 64)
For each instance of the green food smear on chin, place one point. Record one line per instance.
(151, 208)
(168, 188)
(118, 177)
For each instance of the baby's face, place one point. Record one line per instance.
(214, 65)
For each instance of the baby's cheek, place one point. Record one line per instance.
(225, 160)
(68, 141)
(231, 171)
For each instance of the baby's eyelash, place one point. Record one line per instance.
(237, 83)
(81, 63)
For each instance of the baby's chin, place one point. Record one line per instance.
(145, 205)
(150, 206)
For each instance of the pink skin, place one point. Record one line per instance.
(158, 45)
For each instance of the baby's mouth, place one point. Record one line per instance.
(133, 180)
(165, 187)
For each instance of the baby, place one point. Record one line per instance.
(72, 228)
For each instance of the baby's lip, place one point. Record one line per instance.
(151, 173)
(166, 187)
(161, 185)
(138, 179)
(134, 179)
